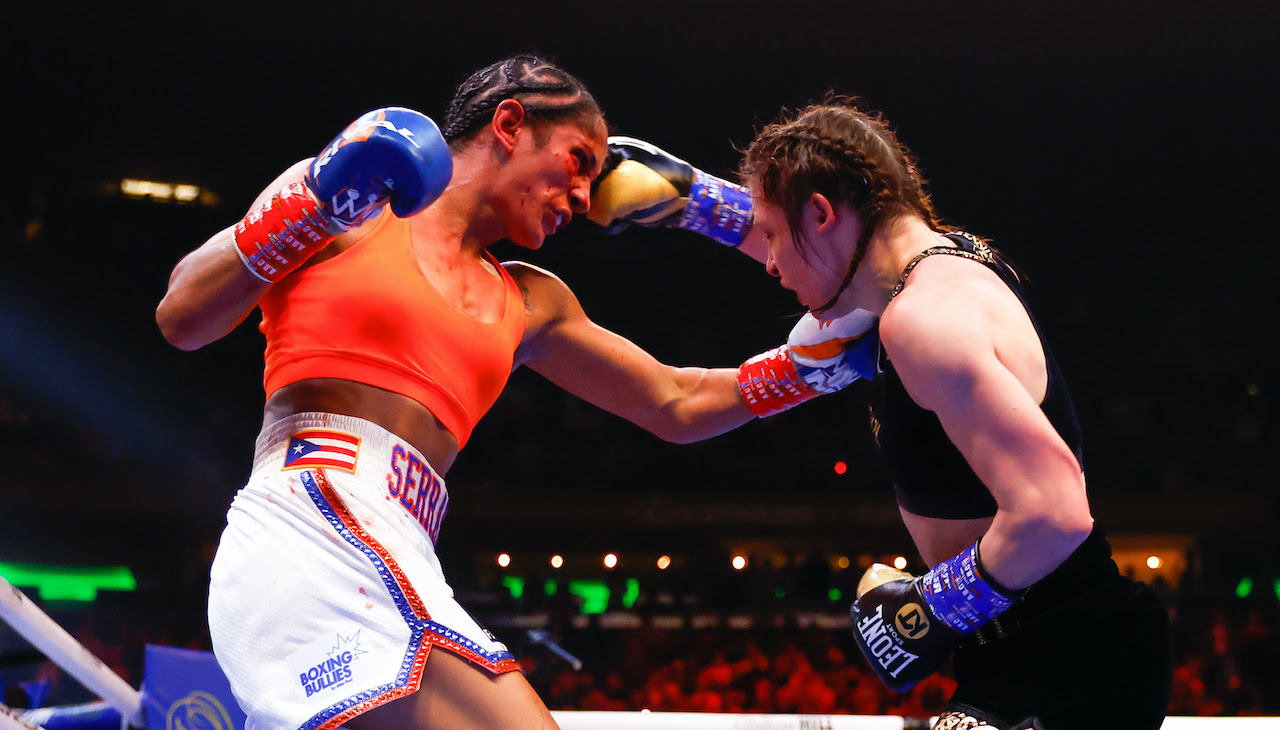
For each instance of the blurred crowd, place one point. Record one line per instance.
(1224, 658)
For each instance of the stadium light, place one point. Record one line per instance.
(1244, 587)
(163, 192)
(66, 583)
(594, 595)
(515, 585)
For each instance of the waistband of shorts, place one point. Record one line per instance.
(1090, 562)
(374, 457)
(1088, 582)
(372, 444)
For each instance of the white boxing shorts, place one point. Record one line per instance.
(326, 594)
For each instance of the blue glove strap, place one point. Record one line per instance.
(717, 209)
(959, 595)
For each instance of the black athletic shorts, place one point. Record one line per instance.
(1084, 648)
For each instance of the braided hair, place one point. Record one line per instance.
(850, 156)
(546, 91)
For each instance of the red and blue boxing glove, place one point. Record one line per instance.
(393, 154)
(821, 356)
(907, 626)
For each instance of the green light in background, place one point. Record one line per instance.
(68, 583)
(834, 594)
(631, 594)
(594, 595)
(779, 593)
(550, 587)
(1244, 587)
(515, 585)
(1276, 585)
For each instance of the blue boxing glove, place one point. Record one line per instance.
(646, 186)
(907, 626)
(390, 154)
(393, 153)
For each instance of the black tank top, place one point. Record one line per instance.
(930, 476)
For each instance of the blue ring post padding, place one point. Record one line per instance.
(187, 688)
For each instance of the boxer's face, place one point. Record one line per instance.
(552, 167)
(814, 267)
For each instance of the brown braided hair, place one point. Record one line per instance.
(546, 91)
(850, 156)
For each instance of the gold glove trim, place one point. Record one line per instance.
(630, 187)
(879, 574)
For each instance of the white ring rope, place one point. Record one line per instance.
(11, 719)
(1220, 722)
(584, 720)
(581, 720)
(46, 635)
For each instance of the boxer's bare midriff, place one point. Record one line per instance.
(941, 539)
(399, 414)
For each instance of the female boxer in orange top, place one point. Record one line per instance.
(388, 337)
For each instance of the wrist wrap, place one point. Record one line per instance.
(960, 596)
(769, 383)
(717, 209)
(281, 235)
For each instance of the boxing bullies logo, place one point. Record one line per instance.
(326, 664)
(198, 711)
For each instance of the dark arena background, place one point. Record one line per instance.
(1122, 152)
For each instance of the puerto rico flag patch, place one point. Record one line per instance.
(322, 449)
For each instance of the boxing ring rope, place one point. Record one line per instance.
(46, 635)
(585, 720)
(59, 646)
(580, 720)
(11, 719)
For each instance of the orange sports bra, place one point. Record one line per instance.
(369, 315)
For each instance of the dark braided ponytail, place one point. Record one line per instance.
(848, 155)
(547, 93)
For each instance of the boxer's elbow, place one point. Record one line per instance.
(1060, 517)
(175, 334)
(179, 327)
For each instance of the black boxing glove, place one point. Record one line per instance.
(907, 626)
(647, 186)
